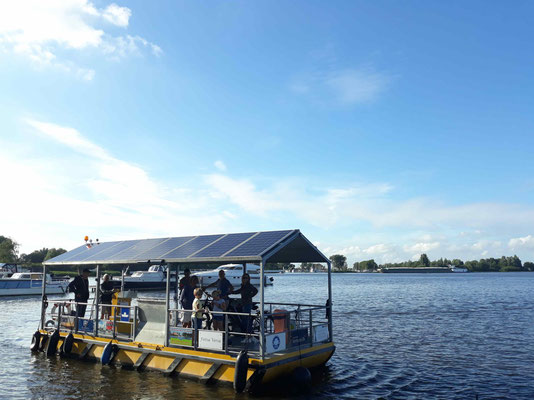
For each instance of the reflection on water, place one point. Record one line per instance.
(450, 336)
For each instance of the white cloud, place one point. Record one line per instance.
(342, 86)
(119, 16)
(221, 166)
(44, 30)
(357, 86)
(89, 191)
(526, 242)
(421, 247)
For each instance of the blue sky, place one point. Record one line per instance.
(380, 129)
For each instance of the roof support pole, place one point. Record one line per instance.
(167, 289)
(43, 296)
(329, 306)
(176, 283)
(97, 298)
(122, 278)
(262, 316)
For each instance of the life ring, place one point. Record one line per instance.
(50, 323)
(240, 374)
(36, 341)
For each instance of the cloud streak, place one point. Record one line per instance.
(44, 30)
(343, 87)
(90, 191)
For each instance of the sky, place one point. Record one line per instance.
(381, 130)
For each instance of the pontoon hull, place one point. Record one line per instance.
(201, 365)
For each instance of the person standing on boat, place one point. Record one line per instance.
(187, 286)
(80, 287)
(185, 280)
(106, 295)
(247, 291)
(223, 286)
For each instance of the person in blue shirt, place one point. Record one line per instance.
(223, 286)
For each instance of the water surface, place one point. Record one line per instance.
(398, 336)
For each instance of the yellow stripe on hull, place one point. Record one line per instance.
(199, 364)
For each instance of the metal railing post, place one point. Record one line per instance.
(329, 311)
(311, 326)
(134, 334)
(97, 299)
(43, 296)
(262, 302)
(226, 331)
(167, 306)
(59, 314)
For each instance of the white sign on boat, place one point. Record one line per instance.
(320, 333)
(210, 340)
(276, 342)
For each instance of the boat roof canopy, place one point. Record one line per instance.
(270, 246)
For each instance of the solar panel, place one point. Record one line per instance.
(163, 248)
(258, 244)
(141, 247)
(111, 252)
(224, 245)
(194, 245)
(213, 247)
(70, 254)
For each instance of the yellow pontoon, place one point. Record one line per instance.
(146, 333)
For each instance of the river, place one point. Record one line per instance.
(398, 336)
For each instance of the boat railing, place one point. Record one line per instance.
(231, 340)
(303, 324)
(111, 321)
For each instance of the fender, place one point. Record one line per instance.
(52, 343)
(240, 374)
(36, 341)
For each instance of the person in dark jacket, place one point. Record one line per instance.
(106, 295)
(186, 298)
(247, 291)
(80, 287)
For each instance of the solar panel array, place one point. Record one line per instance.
(250, 244)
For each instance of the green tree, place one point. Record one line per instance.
(529, 266)
(8, 250)
(339, 262)
(51, 253)
(424, 261)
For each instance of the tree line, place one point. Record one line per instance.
(502, 264)
(9, 253)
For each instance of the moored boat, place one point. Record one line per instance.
(28, 283)
(233, 273)
(253, 349)
(155, 278)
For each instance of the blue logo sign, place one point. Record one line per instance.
(276, 342)
(125, 315)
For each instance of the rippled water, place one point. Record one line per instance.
(447, 336)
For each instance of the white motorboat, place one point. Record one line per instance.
(27, 283)
(233, 273)
(455, 268)
(153, 279)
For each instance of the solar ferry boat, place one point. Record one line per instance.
(279, 339)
